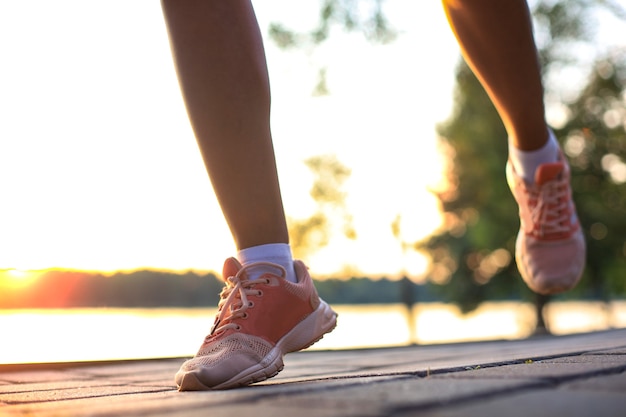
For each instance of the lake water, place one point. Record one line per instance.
(104, 334)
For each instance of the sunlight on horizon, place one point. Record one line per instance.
(104, 171)
(17, 278)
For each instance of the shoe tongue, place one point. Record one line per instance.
(548, 172)
(231, 267)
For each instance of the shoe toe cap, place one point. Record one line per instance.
(551, 267)
(202, 373)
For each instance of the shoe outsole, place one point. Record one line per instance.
(552, 287)
(324, 320)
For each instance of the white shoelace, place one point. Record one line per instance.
(234, 298)
(550, 214)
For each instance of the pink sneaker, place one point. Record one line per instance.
(257, 323)
(550, 247)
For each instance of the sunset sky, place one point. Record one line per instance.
(100, 171)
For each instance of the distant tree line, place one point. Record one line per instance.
(146, 288)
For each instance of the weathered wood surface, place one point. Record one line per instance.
(579, 375)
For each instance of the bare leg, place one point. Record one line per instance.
(219, 55)
(497, 42)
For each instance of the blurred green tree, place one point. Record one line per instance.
(594, 139)
(362, 16)
(471, 256)
(310, 234)
(365, 16)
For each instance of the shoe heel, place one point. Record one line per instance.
(310, 330)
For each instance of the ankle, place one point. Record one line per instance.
(277, 253)
(526, 163)
(529, 138)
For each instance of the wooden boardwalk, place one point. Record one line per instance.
(578, 375)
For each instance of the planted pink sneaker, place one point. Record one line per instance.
(257, 323)
(550, 247)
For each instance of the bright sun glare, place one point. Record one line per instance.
(16, 277)
(17, 274)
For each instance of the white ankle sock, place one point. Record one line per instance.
(278, 253)
(527, 162)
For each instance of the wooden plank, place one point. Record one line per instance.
(431, 379)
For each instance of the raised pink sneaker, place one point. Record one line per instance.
(550, 247)
(257, 323)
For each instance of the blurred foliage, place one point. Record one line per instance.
(364, 16)
(310, 234)
(473, 254)
(354, 16)
(594, 139)
(562, 25)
